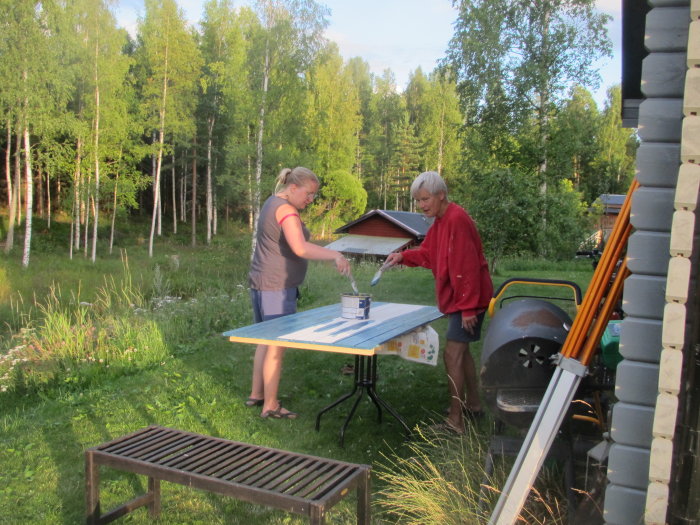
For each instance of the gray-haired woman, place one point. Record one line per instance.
(278, 268)
(452, 250)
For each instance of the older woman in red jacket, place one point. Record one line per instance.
(452, 250)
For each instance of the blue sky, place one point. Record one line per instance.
(397, 34)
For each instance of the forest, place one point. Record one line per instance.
(179, 127)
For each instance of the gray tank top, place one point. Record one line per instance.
(275, 266)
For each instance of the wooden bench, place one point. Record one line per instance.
(296, 483)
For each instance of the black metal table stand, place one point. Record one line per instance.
(365, 380)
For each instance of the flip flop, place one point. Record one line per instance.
(252, 402)
(278, 414)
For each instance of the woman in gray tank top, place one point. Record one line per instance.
(282, 251)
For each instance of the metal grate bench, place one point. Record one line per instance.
(298, 483)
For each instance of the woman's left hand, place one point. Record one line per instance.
(468, 323)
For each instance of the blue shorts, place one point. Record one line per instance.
(270, 304)
(455, 332)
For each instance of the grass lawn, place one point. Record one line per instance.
(175, 369)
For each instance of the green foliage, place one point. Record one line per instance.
(502, 202)
(341, 199)
(565, 224)
(333, 113)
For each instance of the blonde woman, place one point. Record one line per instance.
(279, 266)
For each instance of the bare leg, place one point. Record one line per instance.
(461, 375)
(257, 390)
(454, 366)
(471, 382)
(271, 372)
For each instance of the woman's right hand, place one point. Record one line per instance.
(393, 259)
(342, 264)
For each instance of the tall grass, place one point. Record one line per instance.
(64, 340)
(442, 481)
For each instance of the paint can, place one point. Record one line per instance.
(355, 306)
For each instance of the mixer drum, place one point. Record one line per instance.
(516, 357)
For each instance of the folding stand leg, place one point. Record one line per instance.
(372, 393)
(365, 379)
(342, 398)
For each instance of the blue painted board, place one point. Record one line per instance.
(363, 342)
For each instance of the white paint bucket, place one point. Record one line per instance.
(355, 306)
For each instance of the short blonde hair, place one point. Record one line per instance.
(431, 181)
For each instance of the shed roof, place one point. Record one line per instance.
(414, 223)
(611, 202)
(368, 244)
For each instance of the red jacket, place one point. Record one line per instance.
(452, 250)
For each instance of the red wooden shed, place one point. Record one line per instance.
(380, 232)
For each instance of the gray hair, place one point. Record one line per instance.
(297, 176)
(431, 181)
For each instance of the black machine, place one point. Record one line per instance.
(524, 337)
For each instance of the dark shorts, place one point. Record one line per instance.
(455, 332)
(270, 304)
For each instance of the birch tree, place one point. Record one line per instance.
(433, 108)
(388, 111)
(223, 51)
(515, 59)
(106, 70)
(30, 86)
(171, 63)
(333, 112)
(292, 30)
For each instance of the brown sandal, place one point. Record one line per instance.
(278, 414)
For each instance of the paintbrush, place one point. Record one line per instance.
(378, 275)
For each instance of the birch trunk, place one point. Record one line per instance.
(210, 132)
(441, 141)
(215, 217)
(161, 142)
(215, 210)
(259, 147)
(183, 188)
(86, 215)
(174, 194)
(194, 191)
(18, 178)
(28, 198)
(11, 194)
(114, 210)
(251, 215)
(77, 191)
(8, 176)
(39, 190)
(156, 196)
(96, 200)
(48, 201)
